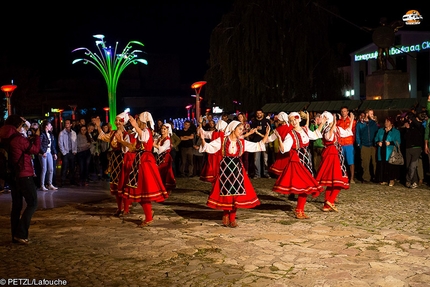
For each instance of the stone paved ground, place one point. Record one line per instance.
(380, 237)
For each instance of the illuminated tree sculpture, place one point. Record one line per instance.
(111, 65)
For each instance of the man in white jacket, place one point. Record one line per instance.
(68, 147)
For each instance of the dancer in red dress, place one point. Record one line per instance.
(116, 157)
(232, 188)
(144, 183)
(297, 177)
(281, 132)
(162, 147)
(211, 167)
(332, 172)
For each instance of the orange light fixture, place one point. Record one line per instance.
(8, 90)
(107, 113)
(197, 86)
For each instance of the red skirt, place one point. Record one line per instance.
(126, 168)
(166, 172)
(210, 170)
(330, 172)
(281, 161)
(297, 179)
(149, 187)
(230, 202)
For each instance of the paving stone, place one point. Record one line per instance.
(369, 242)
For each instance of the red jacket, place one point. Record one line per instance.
(344, 123)
(18, 145)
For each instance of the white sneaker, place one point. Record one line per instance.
(43, 188)
(51, 187)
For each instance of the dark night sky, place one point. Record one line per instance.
(45, 34)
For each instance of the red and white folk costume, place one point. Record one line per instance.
(210, 169)
(282, 159)
(144, 183)
(162, 147)
(116, 158)
(332, 172)
(232, 188)
(297, 177)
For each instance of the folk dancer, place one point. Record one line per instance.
(210, 169)
(232, 188)
(162, 148)
(116, 157)
(144, 183)
(281, 132)
(332, 172)
(298, 175)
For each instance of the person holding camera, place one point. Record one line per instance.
(22, 184)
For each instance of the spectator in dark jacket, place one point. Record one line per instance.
(413, 135)
(21, 150)
(47, 155)
(365, 132)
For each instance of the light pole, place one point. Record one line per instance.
(197, 86)
(111, 65)
(60, 112)
(73, 107)
(107, 114)
(188, 110)
(8, 90)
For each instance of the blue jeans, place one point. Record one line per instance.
(47, 166)
(257, 162)
(20, 224)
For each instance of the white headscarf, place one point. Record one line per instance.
(123, 116)
(231, 127)
(328, 116)
(282, 116)
(220, 125)
(296, 115)
(147, 117)
(169, 128)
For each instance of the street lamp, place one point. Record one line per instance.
(197, 86)
(8, 90)
(60, 113)
(188, 110)
(73, 107)
(111, 65)
(107, 114)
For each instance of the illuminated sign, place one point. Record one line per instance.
(394, 51)
(412, 17)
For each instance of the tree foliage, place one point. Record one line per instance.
(271, 51)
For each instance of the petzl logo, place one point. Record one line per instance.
(412, 17)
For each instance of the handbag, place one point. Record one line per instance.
(396, 156)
